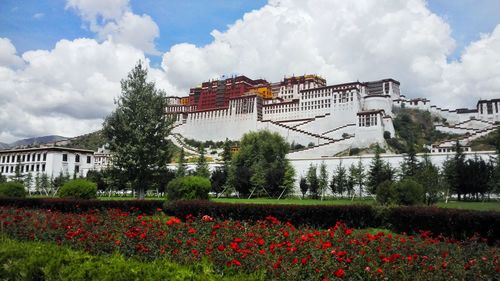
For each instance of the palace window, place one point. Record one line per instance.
(65, 157)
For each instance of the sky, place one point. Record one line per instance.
(61, 61)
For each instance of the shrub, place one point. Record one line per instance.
(69, 205)
(409, 192)
(189, 188)
(387, 193)
(78, 189)
(323, 216)
(12, 189)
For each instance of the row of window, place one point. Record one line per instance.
(24, 158)
(23, 168)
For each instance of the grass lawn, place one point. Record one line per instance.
(481, 206)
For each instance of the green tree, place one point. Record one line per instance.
(410, 164)
(313, 182)
(322, 179)
(262, 153)
(202, 165)
(379, 172)
(453, 169)
(2, 178)
(304, 186)
(18, 176)
(359, 177)
(218, 180)
(58, 182)
(226, 155)
(339, 180)
(181, 165)
(28, 182)
(288, 183)
(45, 184)
(428, 176)
(137, 131)
(351, 181)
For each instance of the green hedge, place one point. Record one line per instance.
(188, 188)
(45, 261)
(12, 189)
(78, 189)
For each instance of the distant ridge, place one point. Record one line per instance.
(31, 142)
(4, 145)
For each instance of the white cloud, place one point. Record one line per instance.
(38, 15)
(114, 20)
(345, 41)
(66, 91)
(8, 54)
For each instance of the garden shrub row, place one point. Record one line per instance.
(47, 261)
(452, 223)
(322, 216)
(75, 205)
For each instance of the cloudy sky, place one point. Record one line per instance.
(61, 61)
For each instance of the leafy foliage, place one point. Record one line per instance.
(201, 164)
(137, 131)
(78, 189)
(379, 172)
(260, 165)
(12, 189)
(190, 188)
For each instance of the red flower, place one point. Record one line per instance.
(221, 248)
(173, 220)
(233, 262)
(340, 273)
(191, 230)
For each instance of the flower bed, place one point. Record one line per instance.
(281, 250)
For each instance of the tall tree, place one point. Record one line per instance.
(201, 164)
(304, 186)
(261, 148)
(359, 177)
(18, 176)
(218, 180)
(28, 182)
(137, 131)
(322, 179)
(351, 181)
(2, 178)
(288, 183)
(379, 172)
(428, 176)
(339, 180)
(181, 165)
(312, 181)
(226, 155)
(410, 164)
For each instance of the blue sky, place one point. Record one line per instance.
(39, 24)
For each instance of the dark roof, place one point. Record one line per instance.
(51, 148)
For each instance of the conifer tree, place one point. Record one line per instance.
(312, 181)
(2, 177)
(410, 164)
(202, 165)
(28, 182)
(428, 176)
(339, 181)
(379, 172)
(359, 177)
(288, 183)
(181, 165)
(137, 131)
(322, 179)
(304, 186)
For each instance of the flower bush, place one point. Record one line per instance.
(281, 250)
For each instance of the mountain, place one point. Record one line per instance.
(4, 145)
(36, 141)
(90, 141)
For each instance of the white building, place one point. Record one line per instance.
(49, 160)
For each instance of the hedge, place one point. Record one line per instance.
(452, 223)
(76, 205)
(46, 261)
(12, 189)
(78, 189)
(359, 216)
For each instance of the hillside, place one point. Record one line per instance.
(415, 127)
(4, 145)
(90, 141)
(37, 141)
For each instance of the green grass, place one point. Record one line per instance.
(480, 206)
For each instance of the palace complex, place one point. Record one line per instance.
(327, 119)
